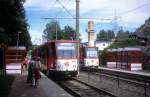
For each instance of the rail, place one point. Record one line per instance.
(82, 89)
(143, 79)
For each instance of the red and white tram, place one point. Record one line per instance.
(127, 58)
(89, 56)
(61, 57)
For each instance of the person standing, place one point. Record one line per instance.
(37, 68)
(31, 70)
(25, 63)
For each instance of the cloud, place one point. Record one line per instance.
(46, 5)
(130, 17)
(36, 36)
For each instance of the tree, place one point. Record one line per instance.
(121, 35)
(51, 30)
(12, 19)
(105, 35)
(125, 43)
(143, 32)
(68, 33)
(111, 34)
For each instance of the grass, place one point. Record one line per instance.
(5, 84)
(146, 69)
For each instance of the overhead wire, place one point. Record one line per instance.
(122, 13)
(134, 9)
(61, 10)
(65, 8)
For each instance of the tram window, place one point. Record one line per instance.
(66, 54)
(91, 52)
(135, 59)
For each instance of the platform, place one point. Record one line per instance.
(47, 88)
(138, 72)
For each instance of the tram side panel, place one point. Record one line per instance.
(135, 60)
(125, 58)
(111, 58)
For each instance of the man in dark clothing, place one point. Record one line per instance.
(30, 70)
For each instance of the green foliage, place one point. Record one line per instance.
(51, 29)
(43, 50)
(121, 35)
(103, 57)
(105, 35)
(4, 36)
(144, 32)
(68, 33)
(145, 28)
(12, 20)
(125, 43)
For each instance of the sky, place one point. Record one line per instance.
(130, 14)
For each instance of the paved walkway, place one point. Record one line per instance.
(47, 88)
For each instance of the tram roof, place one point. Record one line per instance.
(66, 41)
(112, 50)
(125, 49)
(132, 49)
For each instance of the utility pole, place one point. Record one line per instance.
(77, 32)
(17, 46)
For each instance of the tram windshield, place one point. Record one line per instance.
(66, 50)
(91, 52)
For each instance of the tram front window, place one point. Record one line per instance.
(91, 52)
(66, 54)
(66, 51)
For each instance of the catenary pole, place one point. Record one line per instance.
(77, 31)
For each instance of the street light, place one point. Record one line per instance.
(17, 45)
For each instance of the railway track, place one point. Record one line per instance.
(119, 83)
(81, 89)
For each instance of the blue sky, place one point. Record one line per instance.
(131, 14)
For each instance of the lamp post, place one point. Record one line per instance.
(17, 46)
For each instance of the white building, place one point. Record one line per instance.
(102, 44)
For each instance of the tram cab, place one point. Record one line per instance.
(89, 56)
(61, 57)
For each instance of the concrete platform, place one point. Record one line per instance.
(126, 71)
(47, 88)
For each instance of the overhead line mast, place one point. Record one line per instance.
(77, 30)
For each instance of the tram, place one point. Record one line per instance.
(111, 58)
(89, 56)
(60, 57)
(128, 58)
